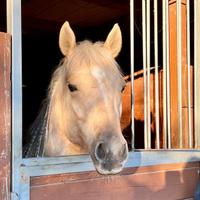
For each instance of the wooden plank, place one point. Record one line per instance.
(5, 113)
(175, 181)
(173, 68)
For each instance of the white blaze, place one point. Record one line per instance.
(99, 75)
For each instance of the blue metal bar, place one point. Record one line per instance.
(24, 186)
(45, 166)
(14, 28)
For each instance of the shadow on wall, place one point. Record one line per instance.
(181, 183)
(166, 182)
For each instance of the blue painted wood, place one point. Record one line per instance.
(86, 158)
(197, 192)
(24, 193)
(48, 166)
(14, 28)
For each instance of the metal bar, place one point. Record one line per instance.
(132, 71)
(14, 28)
(9, 16)
(197, 73)
(25, 187)
(188, 77)
(27, 162)
(148, 77)
(156, 73)
(164, 75)
(48, 166)
(168, 77)
(179, 70)
(144, 70)
(56, 160)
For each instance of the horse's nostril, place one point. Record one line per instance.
(100, 151)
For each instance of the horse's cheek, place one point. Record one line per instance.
(120, 109)
(118, 106)
(78, 110)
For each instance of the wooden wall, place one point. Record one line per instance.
(5, 115)
(166, 182)
(173, 73)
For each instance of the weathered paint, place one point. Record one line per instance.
(5, 116)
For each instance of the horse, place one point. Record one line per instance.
(83, 107)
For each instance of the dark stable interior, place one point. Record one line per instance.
(41, 23)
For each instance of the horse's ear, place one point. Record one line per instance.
(67, 40)
(114, 40)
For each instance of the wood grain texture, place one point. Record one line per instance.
(173, 71)
(5, 115)
(172, 181)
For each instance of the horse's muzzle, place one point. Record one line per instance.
(110, 154)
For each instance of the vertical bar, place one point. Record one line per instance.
(168, 76)
(132, 71)
(25, 188)
(197, 72)
(188, 77)
(14, 28)
(156, 73)
(144, 70)
(179, 72)
(9, 16)
(148, 78)
(164, 75)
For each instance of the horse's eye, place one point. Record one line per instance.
(123, 88)
(72, 88)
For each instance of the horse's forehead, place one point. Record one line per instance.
(89, 74)
(98, 73)
(103, 76)
(95, 75)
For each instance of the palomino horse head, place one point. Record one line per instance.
(85, 102)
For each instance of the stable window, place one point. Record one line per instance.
(168, 122)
